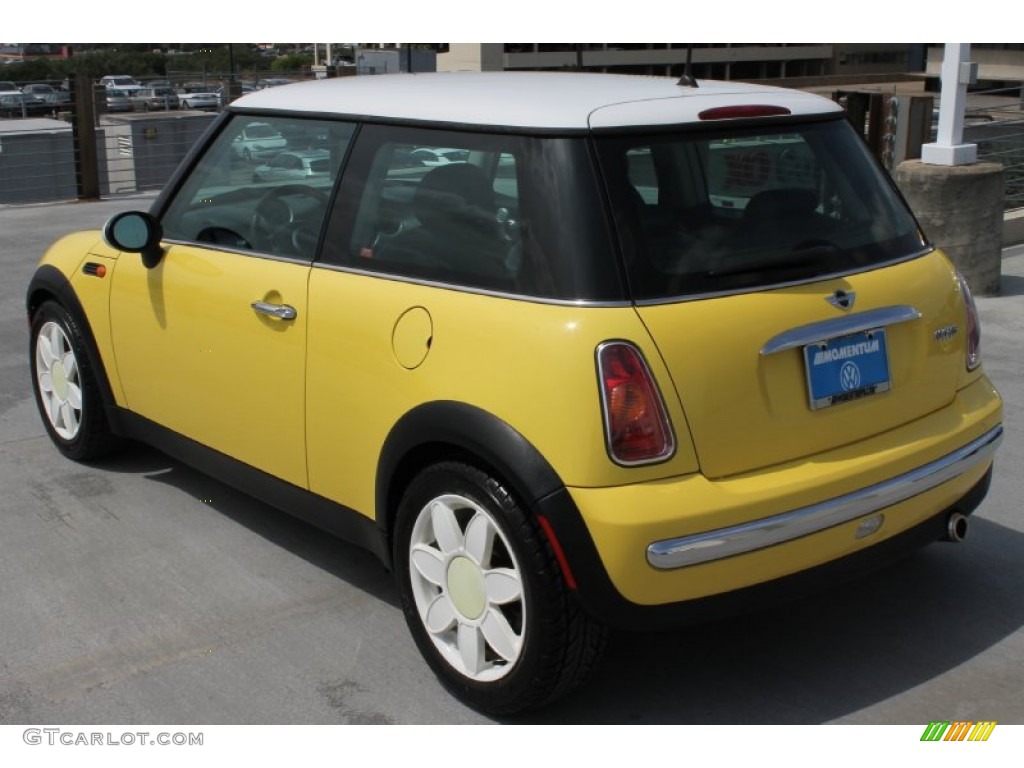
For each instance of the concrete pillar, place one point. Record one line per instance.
(960, 209)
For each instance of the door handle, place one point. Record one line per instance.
(280, 311)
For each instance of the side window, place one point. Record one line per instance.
(492, 211)
(262, 185)
(435, 209)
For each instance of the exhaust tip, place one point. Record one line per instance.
(956, 528)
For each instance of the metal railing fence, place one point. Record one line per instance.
(1002, 141)
(42, 147)
(82, 148)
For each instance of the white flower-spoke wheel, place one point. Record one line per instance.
(58, 378)
(65, 387)
(467, 586)
(483, 593)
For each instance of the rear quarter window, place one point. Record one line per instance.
(517, 215)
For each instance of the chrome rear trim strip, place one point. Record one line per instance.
(739, 539)
(839, 326)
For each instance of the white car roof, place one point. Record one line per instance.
(539, 100)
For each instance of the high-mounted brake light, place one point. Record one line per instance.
(743, 111)
(637, 429)
(973, 357)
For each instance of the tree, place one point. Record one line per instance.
(292, 62)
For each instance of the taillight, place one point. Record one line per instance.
(973, 358)
(636, 425)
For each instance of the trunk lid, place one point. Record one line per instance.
(749, 405)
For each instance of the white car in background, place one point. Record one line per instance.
(199, 96)
(305, 164)
(124, 83)
(431, 158)
(258, 141)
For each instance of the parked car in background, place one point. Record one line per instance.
(258, 141)
(426, 157)
(18, 104)
(306, 164)
(124, 83)
(6, 86)
(225, 96)
(149, 99)
(271, 82)
(119, 81)
(119, 101)
(199, 96)
(47, 93)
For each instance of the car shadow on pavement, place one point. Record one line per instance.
(820, 658)
(353, 564)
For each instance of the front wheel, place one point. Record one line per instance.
(483, 594)
(65, 386)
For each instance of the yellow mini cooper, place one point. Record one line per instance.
(564, 351)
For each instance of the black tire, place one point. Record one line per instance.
(81, 432)
(556, 645)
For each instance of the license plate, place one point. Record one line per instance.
(847, 368)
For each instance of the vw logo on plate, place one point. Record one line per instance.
(849, 376)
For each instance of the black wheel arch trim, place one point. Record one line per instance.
(467, 429)
(51, 281)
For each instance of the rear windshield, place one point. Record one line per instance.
(737, 209)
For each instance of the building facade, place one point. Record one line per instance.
(718, 61)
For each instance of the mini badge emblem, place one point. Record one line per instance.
(842, 299)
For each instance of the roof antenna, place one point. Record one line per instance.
(688, 79)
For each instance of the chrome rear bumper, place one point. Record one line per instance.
(739, 539)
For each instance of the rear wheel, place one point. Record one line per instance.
(65, 386)
(483, 594)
